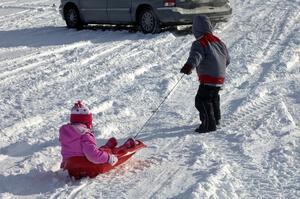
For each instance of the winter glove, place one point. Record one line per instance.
(112, 160)
(186, 69)
(130, 143)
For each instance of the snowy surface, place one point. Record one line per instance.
(45, 68)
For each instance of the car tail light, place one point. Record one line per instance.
(169, 3)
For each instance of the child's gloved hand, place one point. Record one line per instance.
(112, 160)
(130, 143)
(186, 69)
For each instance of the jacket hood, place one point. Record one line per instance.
(69, 132)
(201, 25)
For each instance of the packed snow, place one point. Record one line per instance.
(123, 77)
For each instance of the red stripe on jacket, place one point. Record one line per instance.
(206, 79)
(208, 38)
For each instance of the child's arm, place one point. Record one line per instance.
(91, 151)
(227, 56)
(194, 59)
(196, 55)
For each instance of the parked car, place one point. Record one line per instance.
(148, 15)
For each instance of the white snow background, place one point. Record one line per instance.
(122, 76)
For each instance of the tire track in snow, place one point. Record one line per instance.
(141, 70)
(251, 109)
(27, 93)
(227, 147)
(267, 41)
(274, 47)
(42, 58)
(247, 173)
(33, 64)
(32, 88)
(126, 81)
(27, 19)
(65, 50)
(3, 18)
(248, 166)
(226, 179)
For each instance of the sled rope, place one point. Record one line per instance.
(154, 112)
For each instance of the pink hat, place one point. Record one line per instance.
(81, 114)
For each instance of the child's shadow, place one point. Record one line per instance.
(34, 182)
(166, 132)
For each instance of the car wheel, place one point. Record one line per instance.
(148, 22)
(72, 18)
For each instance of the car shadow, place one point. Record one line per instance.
(53, 35)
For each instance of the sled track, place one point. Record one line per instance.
(73, 189)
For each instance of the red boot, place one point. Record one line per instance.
(111, 143)
(129, 143)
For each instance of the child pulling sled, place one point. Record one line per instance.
(210, 57)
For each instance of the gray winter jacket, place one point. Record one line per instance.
(208, 54)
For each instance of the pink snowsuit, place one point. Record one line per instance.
(78, 140)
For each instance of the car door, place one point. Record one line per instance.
(119, 11)
(94, 11)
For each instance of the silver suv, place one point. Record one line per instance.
(148, 15)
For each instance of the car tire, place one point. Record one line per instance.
(72, 18)
(148, 22)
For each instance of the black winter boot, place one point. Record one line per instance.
(203, 129)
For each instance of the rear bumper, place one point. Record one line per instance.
(177, 15)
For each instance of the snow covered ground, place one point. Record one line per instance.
(122, 76)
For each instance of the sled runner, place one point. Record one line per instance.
(80, 166)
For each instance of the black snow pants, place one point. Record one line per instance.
(207, 102)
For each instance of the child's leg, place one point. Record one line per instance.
(111, 143)
(129, 143)
(216, 106)
(204, 105)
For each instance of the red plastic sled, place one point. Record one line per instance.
(79, 167)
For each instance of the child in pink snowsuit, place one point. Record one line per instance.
(77, 139)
